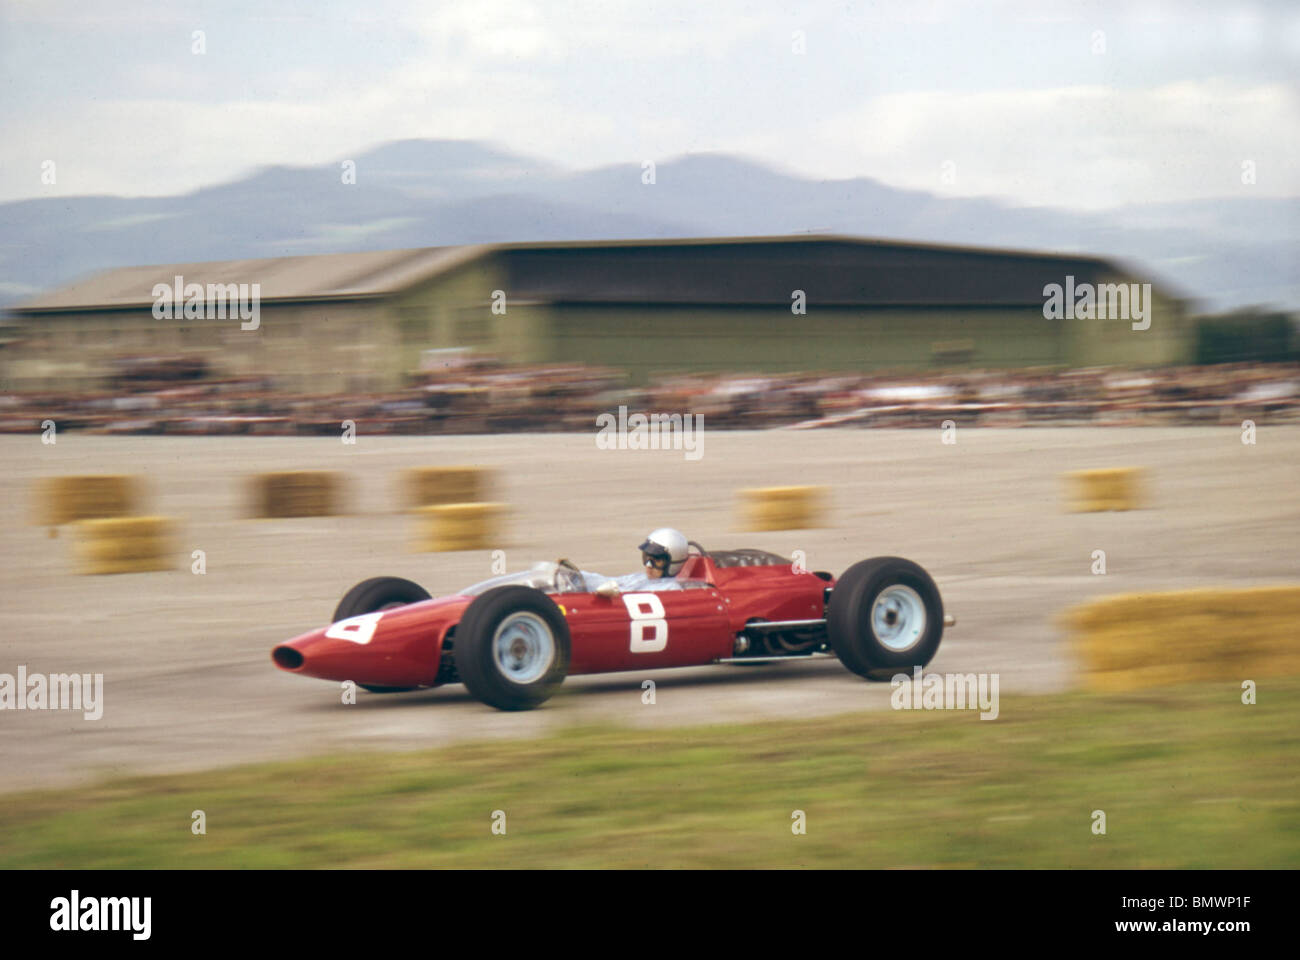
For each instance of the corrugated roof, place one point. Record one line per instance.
(372, 274)
(320, 276)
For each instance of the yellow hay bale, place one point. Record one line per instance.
(459, 526)
(432, 486)
(782, 508)
(1135, 640)
(125, 545)
(1113, 488)
(297, 493)
(67, 499)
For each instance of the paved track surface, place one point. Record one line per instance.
(188, 679)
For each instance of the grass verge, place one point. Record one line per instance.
(1187, 777)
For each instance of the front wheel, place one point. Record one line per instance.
(512, 648)
(885, 617)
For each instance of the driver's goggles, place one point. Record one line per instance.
(650, 560)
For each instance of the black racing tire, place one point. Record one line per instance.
(542, 647)
(904, 589)
(374, 594)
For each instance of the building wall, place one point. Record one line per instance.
(69, 351)
(841, 339)
(328, 347)
(1170, 338)
(312, 348)
(455, 310)
(644, 339)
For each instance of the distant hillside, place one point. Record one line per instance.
(1225, 253)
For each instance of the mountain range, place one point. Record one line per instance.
(1222, 253)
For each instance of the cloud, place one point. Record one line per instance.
(902, 94)
(1086, 147)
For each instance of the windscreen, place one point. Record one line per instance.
(549, 577)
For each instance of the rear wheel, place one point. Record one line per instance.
(373, 595)
(512, 648)
(885, 617)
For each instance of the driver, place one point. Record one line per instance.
(662, 555)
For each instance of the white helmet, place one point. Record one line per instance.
(670, 543)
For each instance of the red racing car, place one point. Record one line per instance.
(513, 639)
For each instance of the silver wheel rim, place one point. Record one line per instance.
(523, 647)
(898, 617)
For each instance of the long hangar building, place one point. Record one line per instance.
(361, 321)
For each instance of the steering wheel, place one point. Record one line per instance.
(568, 578)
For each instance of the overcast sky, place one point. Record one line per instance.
(1076, 104)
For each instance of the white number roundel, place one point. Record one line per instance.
(647, 613)
(357, 629)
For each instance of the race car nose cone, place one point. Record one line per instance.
(287, 658)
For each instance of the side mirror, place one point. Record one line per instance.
(608, 590)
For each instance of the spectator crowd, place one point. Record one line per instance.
(164, 395)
